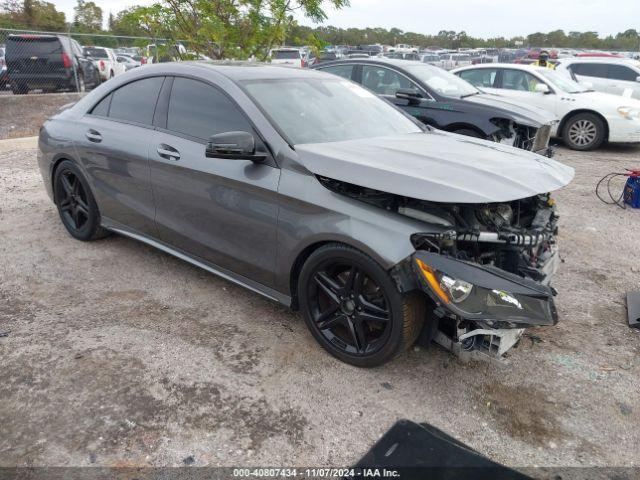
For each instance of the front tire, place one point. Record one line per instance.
(353, 308)
(76, 206)
(583, 132)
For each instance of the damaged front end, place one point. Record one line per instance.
(488, 273)
(486, 267)
(526, 137)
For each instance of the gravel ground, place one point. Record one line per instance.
(122, 355)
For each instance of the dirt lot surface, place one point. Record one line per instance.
(22, 115)
(119, 354)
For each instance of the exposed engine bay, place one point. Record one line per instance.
(490, 245)
(523, 136)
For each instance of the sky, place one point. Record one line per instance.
(479, 18)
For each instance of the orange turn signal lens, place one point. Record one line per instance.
(430, 276)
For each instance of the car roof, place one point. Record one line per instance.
(238, 71)
(397, 62)
(614, 60)
(514, 66)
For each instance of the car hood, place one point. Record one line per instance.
(437, 166)
(518, 112)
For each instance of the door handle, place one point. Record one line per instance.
(168, 152)
(93, 136)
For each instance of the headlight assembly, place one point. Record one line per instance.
(629, 112)
(474, 292)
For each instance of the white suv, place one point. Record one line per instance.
(619, 76)
(106, 61)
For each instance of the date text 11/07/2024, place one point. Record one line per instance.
(315, 473)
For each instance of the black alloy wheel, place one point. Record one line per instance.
(354, 309)
(76, 205)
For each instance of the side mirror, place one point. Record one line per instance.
(411, 94)
(542, 88)
(233, 146)
(638, 79)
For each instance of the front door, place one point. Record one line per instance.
(219, 210)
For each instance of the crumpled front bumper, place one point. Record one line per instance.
(500, 305)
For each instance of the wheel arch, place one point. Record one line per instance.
(465, 126)
(308, 250)
(573, 113)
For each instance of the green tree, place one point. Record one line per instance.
(226, 28)
(87, 16)
(31, 14)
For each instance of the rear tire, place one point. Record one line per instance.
(583, 132)
(76, 205)
(353, 308)
(19, 89)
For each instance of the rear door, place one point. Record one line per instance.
(219, 210)
(113, 144)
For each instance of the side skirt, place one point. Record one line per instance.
(245, 282)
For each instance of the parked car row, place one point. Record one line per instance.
(522, 105)
(311, 190)
(587, 118)
(57, 62)
(440, 99)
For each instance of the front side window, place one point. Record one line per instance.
(482, 77)
(136, 101)
(621, 72)
(344, 71)
(441, 81)
(321, 110)
(384, 81)
(519, 80)
(200, 110)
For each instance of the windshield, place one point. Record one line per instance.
(28, 45)
(563, 83)
(443, 82)
(326, 110)
(96, 52)
(286, 54)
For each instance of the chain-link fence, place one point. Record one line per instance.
(42, 62)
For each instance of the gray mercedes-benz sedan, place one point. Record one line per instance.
(312, 191)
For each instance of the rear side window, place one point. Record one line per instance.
(200, 110)
(102, 108)
(590, 69)
(344, 71)
(33, 45)
(136, 101)
(620, 72)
